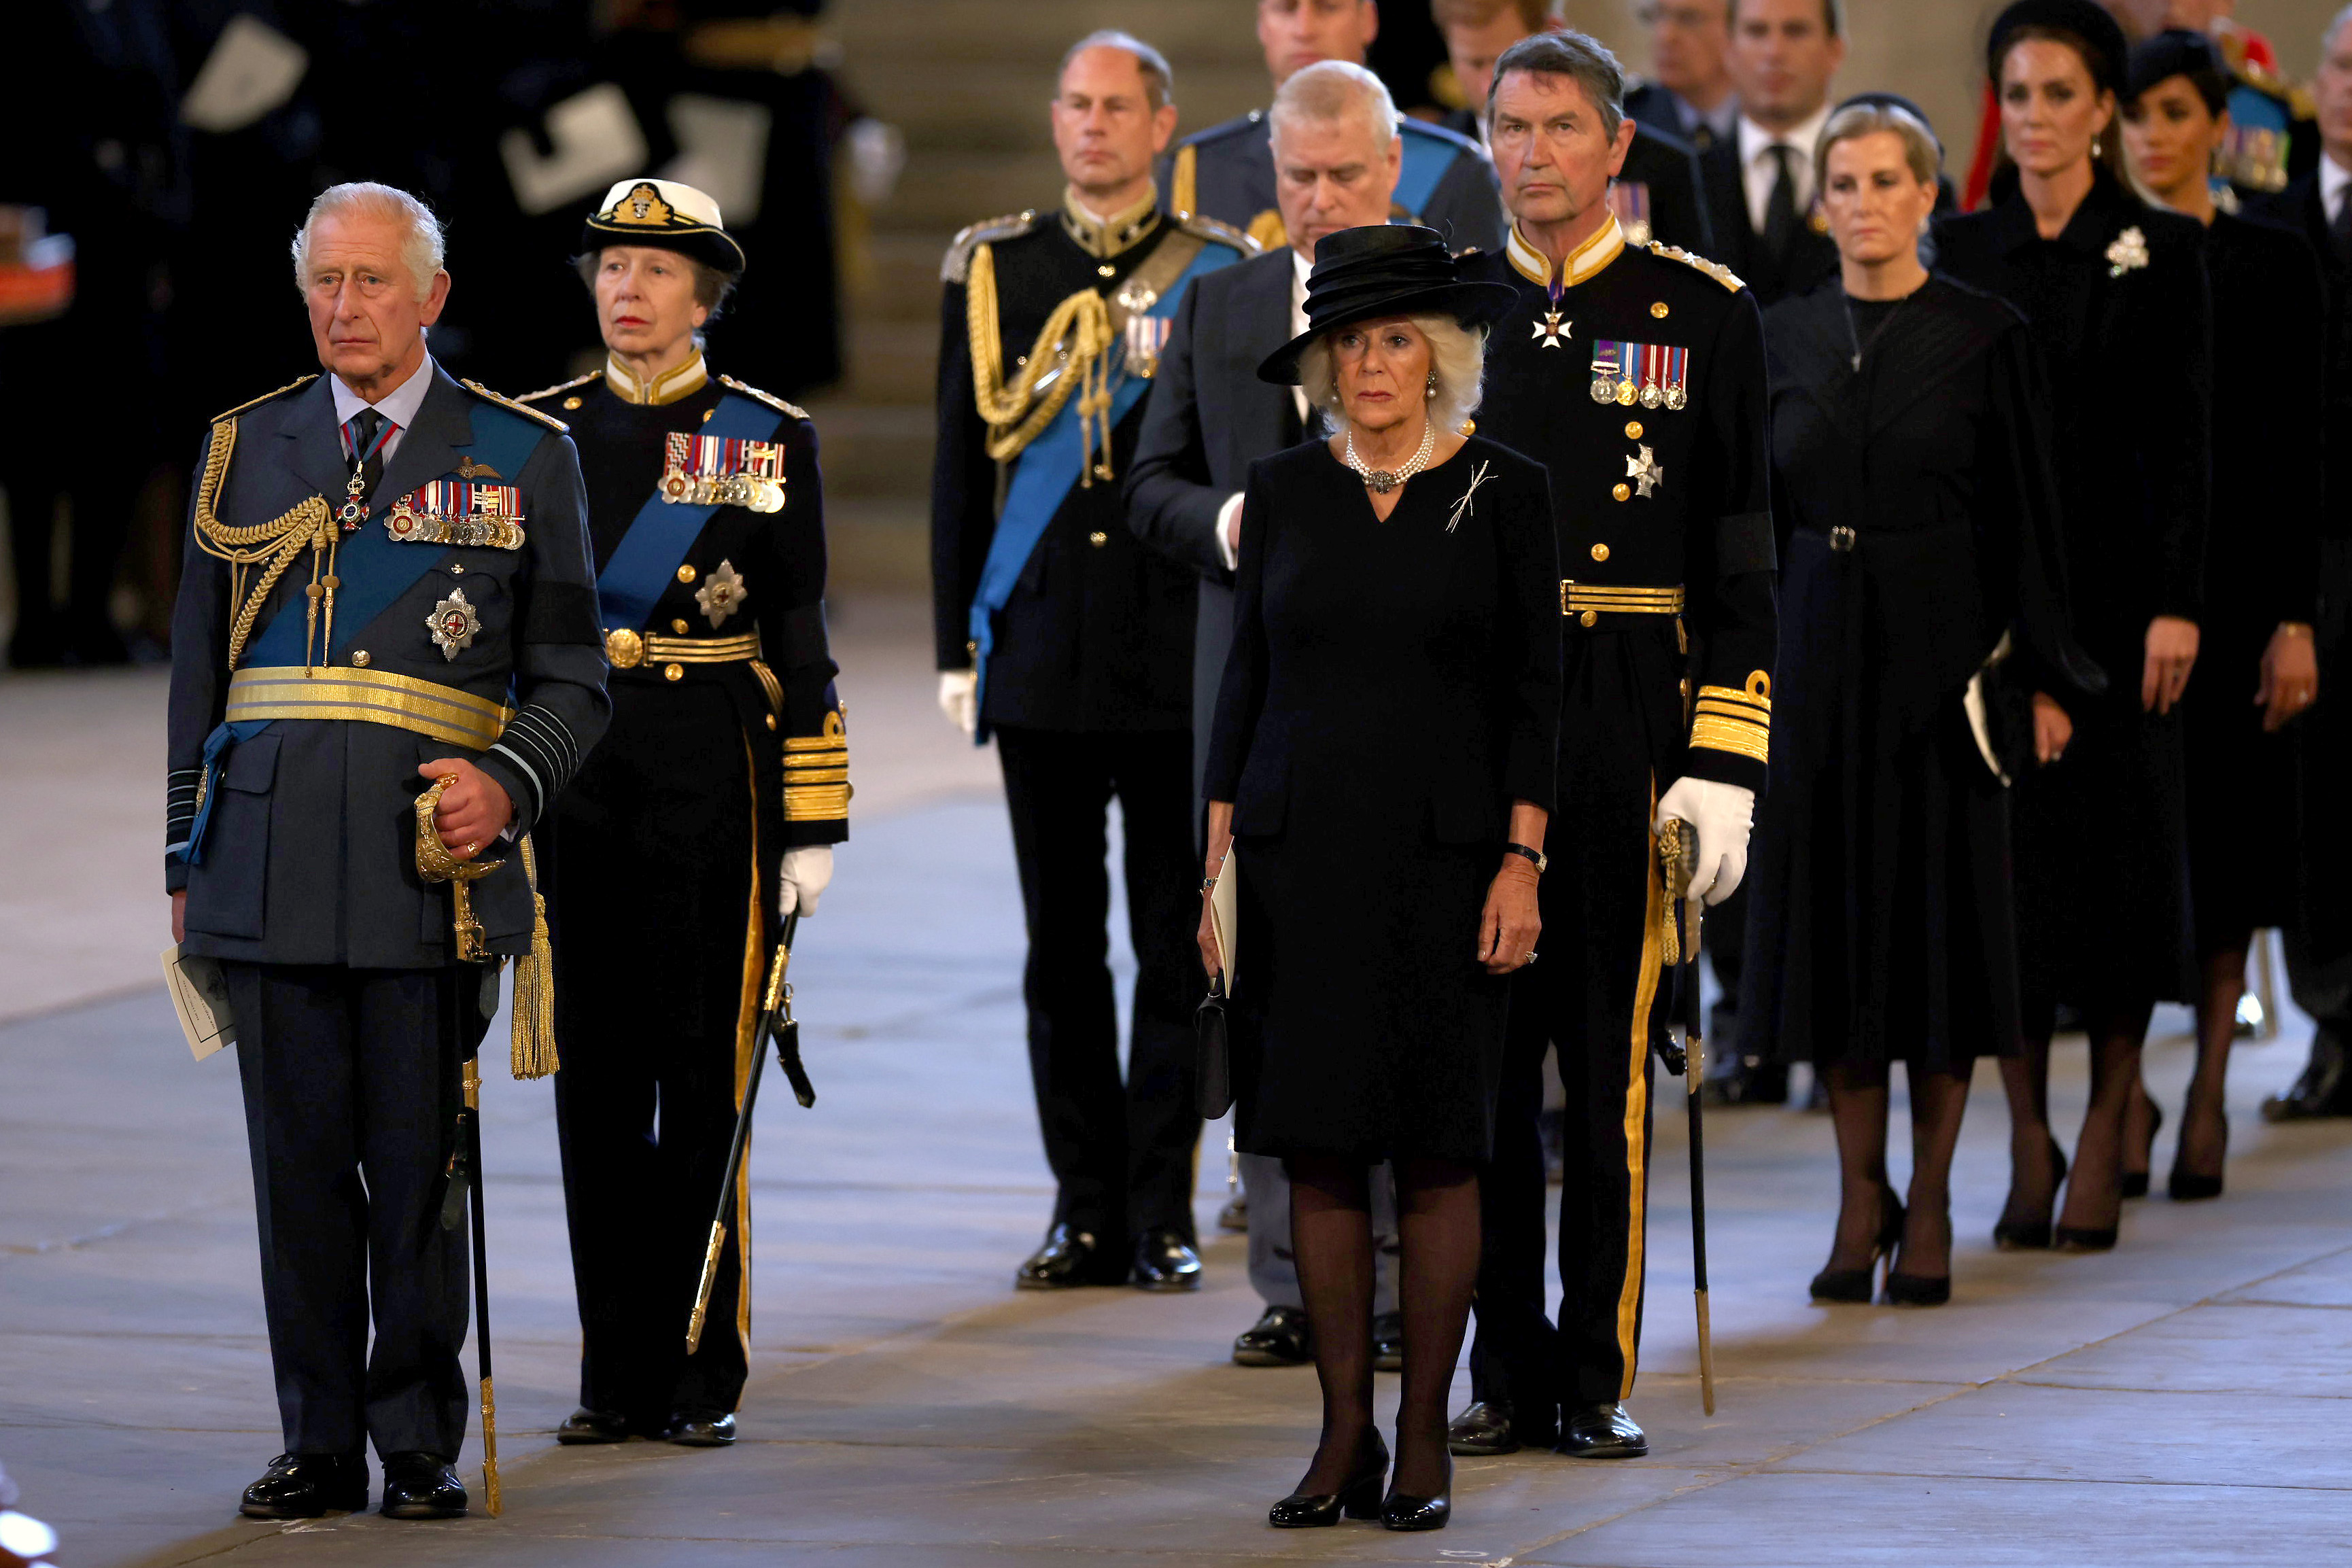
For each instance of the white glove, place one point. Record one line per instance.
(806, 873)
(1724, 815)
(960, 698)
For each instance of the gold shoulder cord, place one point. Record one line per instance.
(272, 545)
(1069, 354)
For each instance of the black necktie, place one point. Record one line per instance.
(2339, 227)
(1780, 206)
(364, 431)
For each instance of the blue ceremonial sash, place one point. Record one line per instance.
(662, 532)
(1045, 471)
(1426, 159)
(373, 571)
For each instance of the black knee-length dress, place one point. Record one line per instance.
(1393, 686)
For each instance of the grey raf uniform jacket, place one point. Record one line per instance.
(309, 853)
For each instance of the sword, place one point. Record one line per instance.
(1678, 858)
(465, 1178)
(776, 1022)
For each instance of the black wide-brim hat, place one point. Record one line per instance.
(2102, 35)
(1383, 269)
(665, 215)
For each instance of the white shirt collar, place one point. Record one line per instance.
(398, 406)
(2333, 178)
(1754, 139)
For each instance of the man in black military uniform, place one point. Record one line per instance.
(1226, 172)
(1655, 196)
(1637, 377)
(386, 584)
(1062, 636)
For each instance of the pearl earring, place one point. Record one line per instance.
(1433, 385)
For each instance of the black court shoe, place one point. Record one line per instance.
(2133, 1184)
(421, 1486)
(2187, 1185)
(1856, 1286)
(1405, 1511)
(586, 1426)
(2033, 1235)
(1359, 1498)
(1602, 1432)
(304, 1486)
(1278, 1338)
(1922, 1289)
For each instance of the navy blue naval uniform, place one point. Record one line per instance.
(1227, 172)
(338, 959)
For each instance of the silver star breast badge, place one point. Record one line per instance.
(454, 624)
(1552, 329)
(721, 594)
(1646, 472)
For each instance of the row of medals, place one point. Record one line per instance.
(723, 490)
(1624, 392)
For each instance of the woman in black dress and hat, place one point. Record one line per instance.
(707, 812)
(1918, 528)
(2115, 294)
(1381, 767)
(2257, 668)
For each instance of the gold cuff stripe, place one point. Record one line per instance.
(1760, 703)
(803, 778)
(702, 650)
(828, 803)
(1719, 733)
(1616, 599)
(1740, 715)
(832, 742)
(367, 697)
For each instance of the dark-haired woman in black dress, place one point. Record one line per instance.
(2115, 294)
(1382, 766)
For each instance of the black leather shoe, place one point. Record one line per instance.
(1403, 1511)
(701, 1429)
(1166, 1261)
(1602, 1432)
(1483, 1430)
(421, 1486)
(1388, 1342)
(1735, 1079)
(1279, 1338)
(2324, 1087)
(304, 1486)
(1359, 1499)
(1070, 1257)
(586, 1426)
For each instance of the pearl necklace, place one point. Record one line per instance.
(1383, 480)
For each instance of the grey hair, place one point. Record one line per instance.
(1582, 59)
(421, 249)
(1158, 81)
(1919, 149)
(1457, 356)
(2335, 27)
(1331, 89)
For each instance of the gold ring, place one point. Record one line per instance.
(473, 846)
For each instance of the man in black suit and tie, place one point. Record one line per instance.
(1689, 93)
(1335, 155)
(1759, 180)
(2319, 206)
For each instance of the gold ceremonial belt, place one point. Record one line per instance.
(628, 649)
(367, 696)
(1587, 600)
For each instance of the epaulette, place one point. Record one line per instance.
(988, 231)
(1714, 269)
(1215, 233)
(265, 397)
(770, 399)
(560, 386)
(549, 420)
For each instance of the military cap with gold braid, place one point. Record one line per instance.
(665, 214)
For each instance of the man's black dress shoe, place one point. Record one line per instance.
(1359, 1499)
(421, 1486)
(1483, 1429)
(1279, 1338)
(2324, 1087)
(1388, 1342)
(1603, 1432)
(304, 1486)
(1735, 1079)
(701, 1429)
(1403, 1511)
(586, 1426)
(1166, 1261)
(1070, 1257)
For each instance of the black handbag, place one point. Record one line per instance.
(1214, 1080)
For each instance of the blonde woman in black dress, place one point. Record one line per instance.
(1383, 758)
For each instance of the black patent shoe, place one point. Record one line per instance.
(304, 1486)
(1388, 1342)
(2084, 1239)
(1164, 1261)
(1856, 1286)
(1070, 1257)
(1359, 1499)
(1602, 1432)
(1279, 1338)
(1917, 1289)
(421, 1486)
(586, 1426)
(2032, 1235)
(1405, 1511)
(2187, 1185)
(701, 1429)
(1483, 1431)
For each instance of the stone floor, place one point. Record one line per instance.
(2186, 1399)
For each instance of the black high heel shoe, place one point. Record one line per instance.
(1358, 1497)
(1403, 1511)
(2188, 1187)
(2135, 1182)
(2033, 1235)
(1857, 1285)
(1922, 1289)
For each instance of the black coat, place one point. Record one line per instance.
(1394, 686)
(1813, 254)
(2118, 303)
(1919, 522)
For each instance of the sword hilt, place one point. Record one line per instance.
(702, 1287)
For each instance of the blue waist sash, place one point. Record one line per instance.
(663, 531)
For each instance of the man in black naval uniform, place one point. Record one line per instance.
(1072, 645)
(707, 815)
(1655, 196)
(1226, 172)
(1637, 377)
(386, 583)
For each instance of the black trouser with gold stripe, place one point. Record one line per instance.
(1595, 994)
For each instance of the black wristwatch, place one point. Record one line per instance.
(1543, 861)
